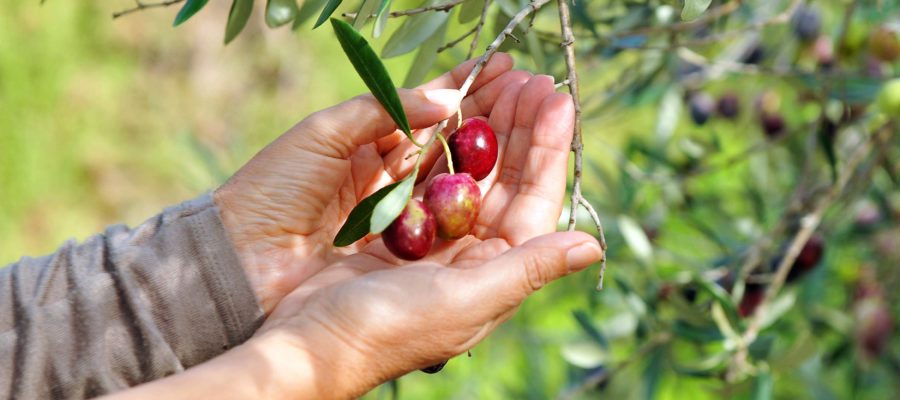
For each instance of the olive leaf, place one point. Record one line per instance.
(469, 10)
(188, 10)
(425, 58)
(694, 8)
(388, 208)
(415, 30)
(381, 18)
(280, 12)
(237, 18)
(372, 72)
(357, 225)
(365, 10)
(307, 10)
(327, 11)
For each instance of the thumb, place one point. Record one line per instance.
(524, 269)
(339, 130)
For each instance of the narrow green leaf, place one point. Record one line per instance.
(425, 58)
(636, 238)
(357, 225)
(237, 18)
(415, 30)
(720, 296)
(584, 320)
(307, 10)
(381, 18)
(365, 10)
(372, 72)
(652, 373)
(327, 11)
(694, 8)
(280, 12)
(762, 386)
(469, 10)
(388, 208)
(188, 10)
(698, 334)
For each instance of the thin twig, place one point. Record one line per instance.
(577, 198)
(413, 11)
(456, 41)
(533, 6)
(809, 223)
(142, 6)
(478, 27)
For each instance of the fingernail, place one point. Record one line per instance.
(579, 257)
(448, 98)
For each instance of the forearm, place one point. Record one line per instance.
(123, 307)
(263, 368)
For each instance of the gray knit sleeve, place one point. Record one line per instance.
(125, 307)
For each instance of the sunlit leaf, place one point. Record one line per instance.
(777, 308)
(381, 18)
(694, 8)
(358, 225)
(372, 72)
(415, 30)
(188, 10)
(366, 9)
(237, 18)
(584, 354)
(636, 238)
(280, 12)
(389, 207)
(469, 10)
(327, 11)
(425, 58)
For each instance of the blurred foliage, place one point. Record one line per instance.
(105, 120)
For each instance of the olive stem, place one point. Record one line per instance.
(446, 152)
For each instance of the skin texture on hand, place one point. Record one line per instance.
(283, 208)
(344, 320)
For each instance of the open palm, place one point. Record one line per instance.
(284, 207)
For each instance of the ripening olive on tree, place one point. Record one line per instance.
(884, 44)
(806, 23)
(701, 106)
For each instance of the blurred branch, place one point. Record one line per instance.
(809, 223)
(456, 41)
(577, 198)
(707, 17)
(595, 379)
(413, 11)
(478, 27)
(139, 5)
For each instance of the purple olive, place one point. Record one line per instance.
(702, 107)
(729, 105)
(474, 148)
(455, 201)
(411, 235)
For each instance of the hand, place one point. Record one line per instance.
(367, 318)
(363, 318)
(284, 207)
